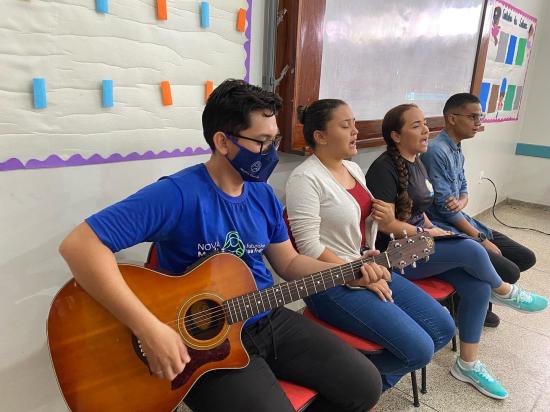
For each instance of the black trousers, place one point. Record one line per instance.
(289, 346)
(515, 258)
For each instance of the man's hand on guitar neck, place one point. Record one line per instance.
(164, 349)
(372, 272)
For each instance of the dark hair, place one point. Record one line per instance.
(316, 116)
(496, 14)
(456, 101)
(393, 122)
(229, 106)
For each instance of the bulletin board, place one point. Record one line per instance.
(100, 81)
(510, 45)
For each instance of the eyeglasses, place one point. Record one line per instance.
(265, 145)
(475, 117)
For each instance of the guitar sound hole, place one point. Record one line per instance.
(204, 319)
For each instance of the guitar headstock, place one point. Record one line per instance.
(409, 249)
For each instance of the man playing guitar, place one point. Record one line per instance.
(225, 205)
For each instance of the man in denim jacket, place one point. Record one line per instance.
(444, 162)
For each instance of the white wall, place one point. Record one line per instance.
(529, 177)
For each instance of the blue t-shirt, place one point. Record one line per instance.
(188, 217)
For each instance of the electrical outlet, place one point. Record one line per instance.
(481, 176)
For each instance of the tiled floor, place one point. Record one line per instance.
(517, 352)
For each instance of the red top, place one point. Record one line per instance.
(365, 203)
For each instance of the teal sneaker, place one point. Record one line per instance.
(521, 300)
(482, 380)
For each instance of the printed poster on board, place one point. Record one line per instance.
(510, 44)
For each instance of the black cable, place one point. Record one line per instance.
(500, 221)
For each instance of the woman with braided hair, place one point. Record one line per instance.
(398, 177)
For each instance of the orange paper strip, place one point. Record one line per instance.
(166, 93)
(241, 20)
(208, 87)
(162, 10)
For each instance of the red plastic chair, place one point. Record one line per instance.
(299, 396)
(365, 346)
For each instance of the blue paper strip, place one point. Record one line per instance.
(39, 92)
(107, 100)
(102, 6)
(205, 14)
(534, 150)
(511, 50)
(484, 95)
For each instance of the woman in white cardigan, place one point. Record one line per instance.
(332, 217)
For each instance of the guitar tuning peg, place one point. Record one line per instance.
(392, 236)
(405, 233)
(426, 258)
(402, 271)
(413, 265)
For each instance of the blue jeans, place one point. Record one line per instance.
(411, 329)
(465, 264)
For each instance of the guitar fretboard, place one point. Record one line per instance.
(246, 306)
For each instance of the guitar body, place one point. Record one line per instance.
(98, 362)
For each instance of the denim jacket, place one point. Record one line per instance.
(444, 162)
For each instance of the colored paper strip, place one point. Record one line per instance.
(166, 93)
(534, 150)
(208, 87)
(509, 98)
(39, 93)
(517, 100)
(241, 20)
(511, 50)
(493, 99)
(484, 95)
(102, 6)
(162, 10)
(502, 47)
(107, 98)
(205, 14)
(520, 55)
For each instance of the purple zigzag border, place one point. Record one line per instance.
(54, 160)
(247, 42)
(77, 159)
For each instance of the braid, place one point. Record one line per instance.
(403, 204)
(393, 122)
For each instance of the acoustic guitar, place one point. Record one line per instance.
(99, 364)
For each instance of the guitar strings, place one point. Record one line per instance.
(216, 314)
(311, 279)
(213, 315)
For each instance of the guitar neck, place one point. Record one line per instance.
(246, 306)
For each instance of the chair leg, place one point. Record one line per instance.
(416, 402)
(452, 310)
(423, 386)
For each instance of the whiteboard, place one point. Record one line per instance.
(381, 53)
(73, 47)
